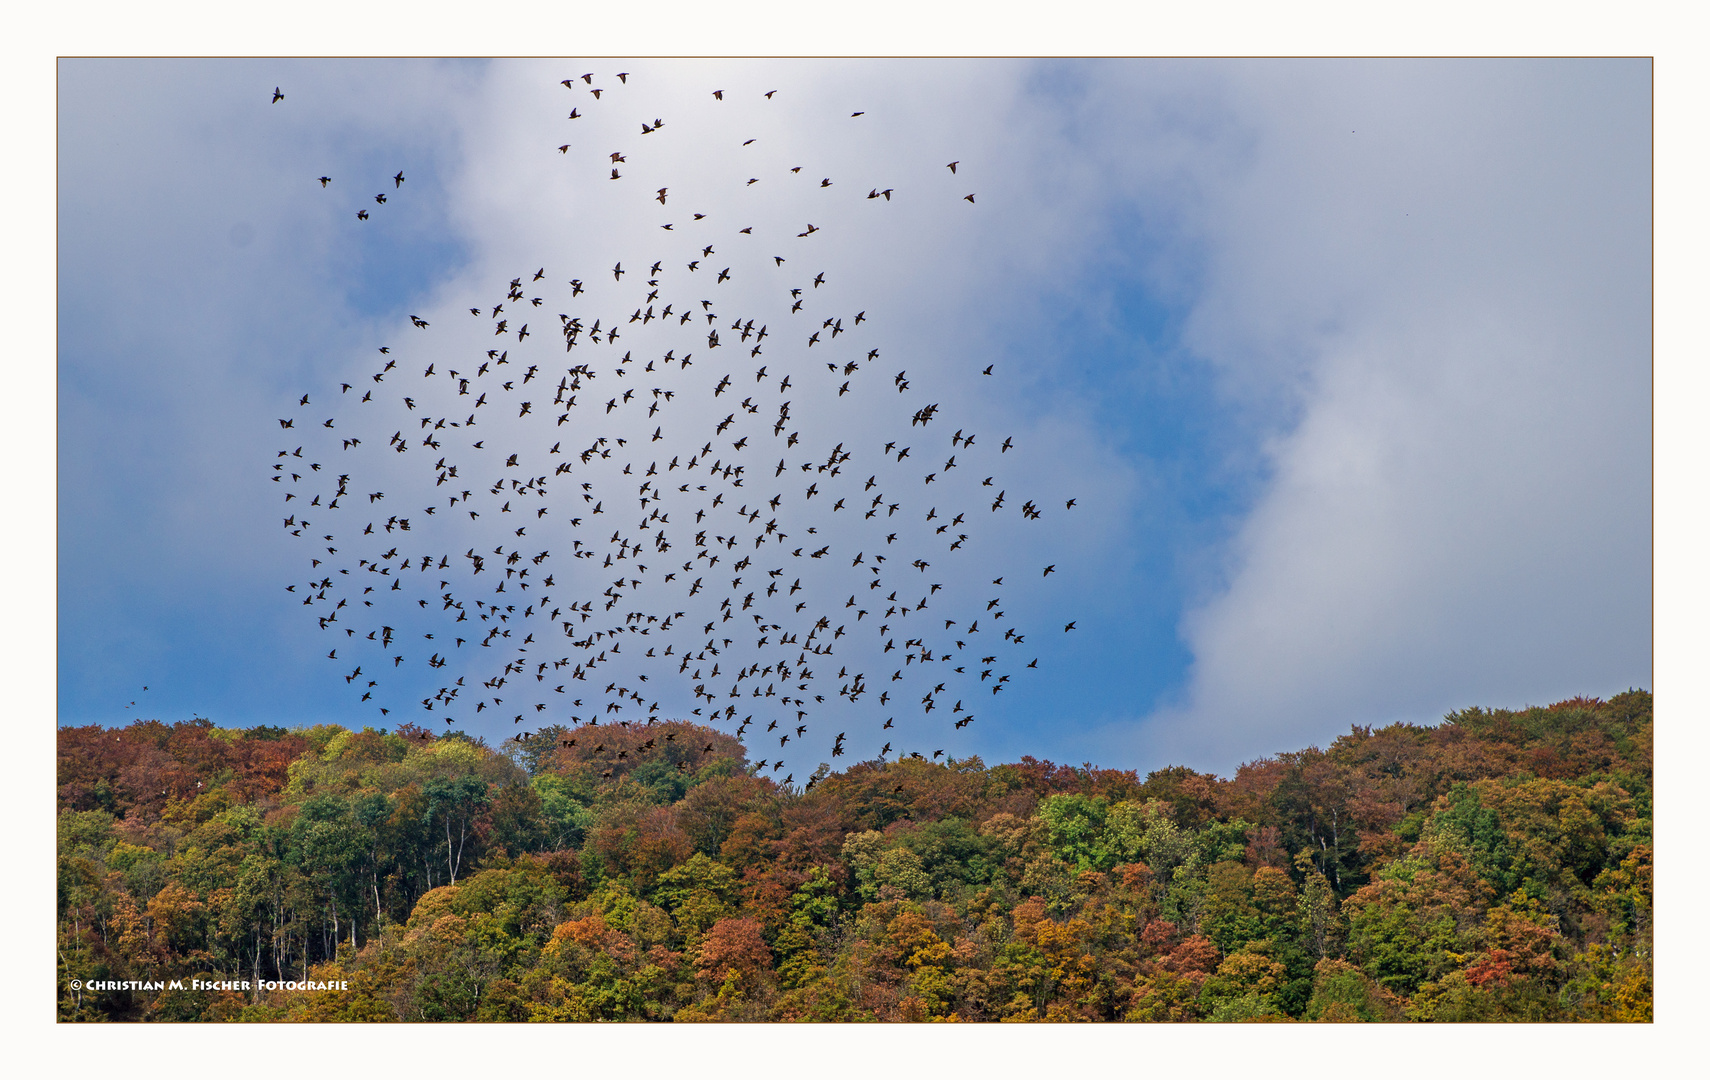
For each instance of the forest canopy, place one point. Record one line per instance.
(1496, 866)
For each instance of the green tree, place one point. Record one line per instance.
(452, 804)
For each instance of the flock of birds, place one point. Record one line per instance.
(590, 531)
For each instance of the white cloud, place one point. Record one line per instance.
(1461, 513)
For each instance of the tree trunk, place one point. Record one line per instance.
(462, 834)
(1336, 838)
(449, 865)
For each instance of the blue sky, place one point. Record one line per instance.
(1347, 363)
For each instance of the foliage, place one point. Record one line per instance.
(1498, 866)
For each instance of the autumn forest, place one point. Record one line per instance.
(1494, 867)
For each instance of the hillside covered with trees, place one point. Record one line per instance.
(1497, 866)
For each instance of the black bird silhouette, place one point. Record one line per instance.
(277, 96)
